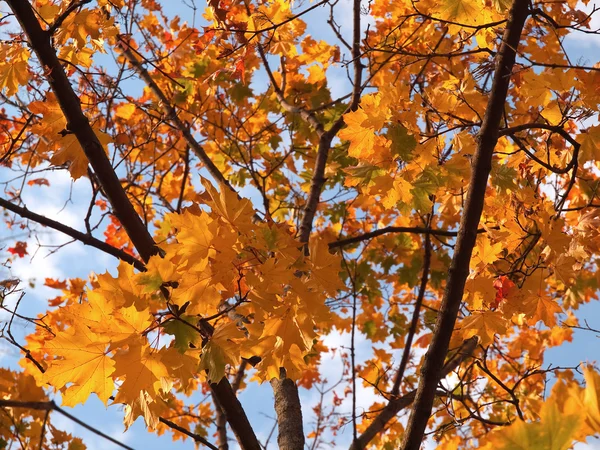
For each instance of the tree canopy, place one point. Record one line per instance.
(419, 178)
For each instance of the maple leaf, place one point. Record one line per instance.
(485, 252)
(483, 324)
(325, 267)
(195, 234)
(468, 12)
(145, 376)
(361, 127)
(221, 350)
(236, 211)
(590, 143)
(185, 333)
(504, 287)
(589, 401)
(125, 110)
(38, 182)
(19, 249)
(12, 76)
(555, 431)
(479, 290)
(53, 118)
(83, 364)
(71, 153)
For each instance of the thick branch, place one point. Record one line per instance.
(85, 239)
(431, 370)
(236, 416)
(78, 124)
(123, 209)
(221, 424)
(289, 414)
(397, 404)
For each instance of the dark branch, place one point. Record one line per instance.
(196, 437)
(79, 125)
(84, 238)
(373, 234)
(431, 370)
(395, 405)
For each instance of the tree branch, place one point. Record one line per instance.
(395, 405)
(431, 370)
(373, 234)
(78, 123)
(51, 406)
(412, 330)
(84, 238)
(221, 424)
(318, 179)
(308, 116)
(124, 211)
(196, 437)
(172, 114)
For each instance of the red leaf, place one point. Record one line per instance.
(503, 286)
(39, 182)
(20, 249)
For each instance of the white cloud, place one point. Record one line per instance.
(590, 41)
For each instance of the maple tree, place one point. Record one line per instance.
(442, 209)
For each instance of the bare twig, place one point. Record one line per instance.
(51, 406)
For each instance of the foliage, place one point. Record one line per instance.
(440, 212)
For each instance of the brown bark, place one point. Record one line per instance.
(431, 370)
(221, 424)
(78, 123)
(84, 238)
(289, 414)
(395, 405)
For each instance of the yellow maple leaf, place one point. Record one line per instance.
(142, 369)
(483, 324)
(325, 267)
(590, 401)
(76, 56)
(71, 153)
(125, 110)
(53, 119)
(362, 125)
(467, 12)
(479, 290)
(200, 292)
(556, 430)
(590, 144)
(362, 139)
(485, 252)
(225, 203)
(83, 363)
(285, 340)
(13, 75)
(195, 235)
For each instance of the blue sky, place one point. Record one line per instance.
(78, 260)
